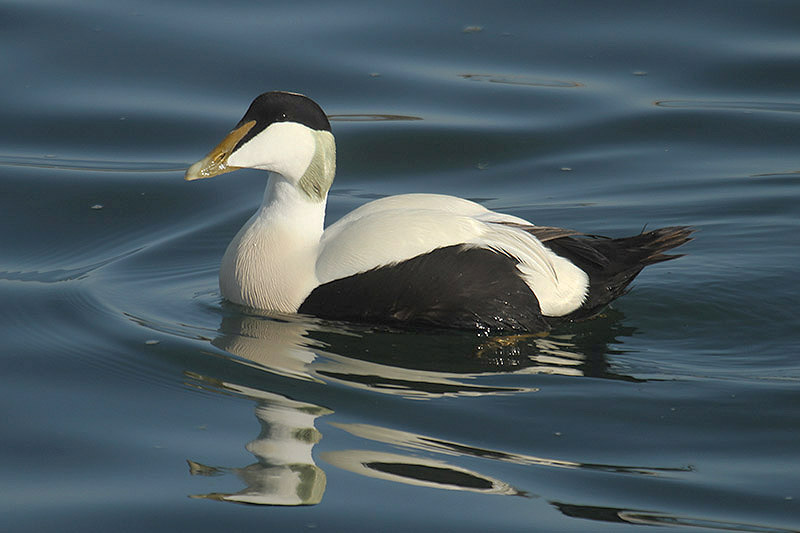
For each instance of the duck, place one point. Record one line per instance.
(410, 260)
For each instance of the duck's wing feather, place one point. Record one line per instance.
(451, 287)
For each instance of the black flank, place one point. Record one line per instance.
(450, 287)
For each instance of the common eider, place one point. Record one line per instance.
(411, 259)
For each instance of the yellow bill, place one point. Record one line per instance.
(216, 162)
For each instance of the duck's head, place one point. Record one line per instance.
(285, 133)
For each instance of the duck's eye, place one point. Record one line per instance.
(218, 158)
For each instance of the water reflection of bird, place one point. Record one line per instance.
(418, 259)
(289, 346)
(285, 472)
(428, 364)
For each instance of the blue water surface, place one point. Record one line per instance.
(135, 399)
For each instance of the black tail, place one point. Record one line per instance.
(613, 263)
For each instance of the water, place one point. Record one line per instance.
(134, 399)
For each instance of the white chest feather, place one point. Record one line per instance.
(263, 268)
(270, 263)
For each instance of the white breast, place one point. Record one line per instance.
(266, 267)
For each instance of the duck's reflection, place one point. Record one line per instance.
(299, 349)
(284, 472)
(418, 471)
(654, 518)
(419, 365)
(428, 443)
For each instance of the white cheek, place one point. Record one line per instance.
(284, 147)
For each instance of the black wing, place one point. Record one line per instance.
(453, 287)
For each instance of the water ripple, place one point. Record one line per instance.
(87, 165)
(366, 117)
(520, 80)
(655, 518)
(779, 107)
(62, 274)
(431, 444)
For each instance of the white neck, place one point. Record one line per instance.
(285, 204)
(270, 264)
